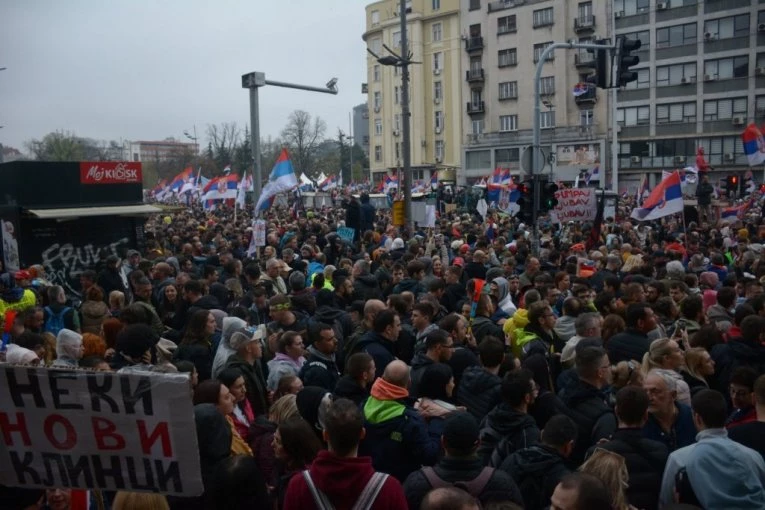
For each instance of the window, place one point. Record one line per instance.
(375, 18)
(437, 93)
(675, 74)
(547, 119)
(396, 39)
(631, 7)
(586, 117)
(507, 156)
(506, 25)
(584, 10)
(476, 65)
(436, 5)
(547, 85)
(675, 112)
(726, 68)
(477, 127)
(436, 32)
(725, 28)
(438, 122)
(760, 17)
(474, 5)
(759, 104)
(377, 99)
(476, 96)
(508, 90)
(644, 36)
(376, 72)
(643, 80)
(375, 45)
(507, 57)
(678, 35)
(508, 123)
(378, 153)
(397, 149)
(437, 61)
(539, 48)
(477, 159)
(638, 115)
(715, 148)
(439, 150)
(543, 17)
(672, 148)
(378, 126)
(397, 122)
(760, 61)
(396, 94)
(720, 109)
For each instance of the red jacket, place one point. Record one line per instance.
(342, 480)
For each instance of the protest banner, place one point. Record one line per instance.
(98, 430)
(259, 232)
(574, 204)
(346, 233)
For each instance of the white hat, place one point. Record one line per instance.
(68, 344)
(19, 355)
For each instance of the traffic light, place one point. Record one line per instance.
(526, 201)
(731, 185)
(599, 78)
(625, 60)
(548, 197)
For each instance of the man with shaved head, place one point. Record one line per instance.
(397, 438)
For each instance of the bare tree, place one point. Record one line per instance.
(224, 139)
(303, 135)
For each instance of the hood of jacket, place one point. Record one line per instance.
(421, 360)
(746, 350)
(580, 392)
(507, 421)
(718, 313)
(367, 280)
(409, 285)
(503, 287)
(328, 314)
(534, 461)
(476, 380)
(94, 309)
(316, 353)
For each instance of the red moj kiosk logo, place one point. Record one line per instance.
(110, 172)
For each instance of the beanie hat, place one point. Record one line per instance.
(461, 431)
(68, 344)
(311, 406)
(135, 340)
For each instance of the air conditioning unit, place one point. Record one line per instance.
(710, 77)
(438, 131)
(395, 132)
(761, 27)
(437, 71)
(759, 71)
(619, 14)
(709, 36)
(618, 129)
(679, 160)
(660, 6)
(636, 159)
(739, 121)
(685, 81)
(437, 100)
(377, 109)
(439, 159)
(729, 157)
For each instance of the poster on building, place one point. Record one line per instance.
(578, 155)
(98, 430)
(575, 204)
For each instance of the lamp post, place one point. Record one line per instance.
(253, 81)
(194, 138)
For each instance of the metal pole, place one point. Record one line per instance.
(350, 141)
(257, 171)
(614, 126)
(406, 156)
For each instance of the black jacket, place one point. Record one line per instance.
(367, 211)
(500, 486)
(593, 417)
(503, 431)
(419, 363)
(645, 460)
(200, 355)
(627, 345)
(110, 280)
(379, 347)
(479, 391)
(704, 192)
(483, 327)
(536, 470)
(254, 381)
(365, 287)
(462, 358)
(347, 387)
(453, 294)
(319, 370)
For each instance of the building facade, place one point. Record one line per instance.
(157, 150)
(434, 89)
(361, 127)
(701, 80)
(501, 45)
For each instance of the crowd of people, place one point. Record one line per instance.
(439, 368)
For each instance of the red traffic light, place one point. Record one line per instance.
(734, 179)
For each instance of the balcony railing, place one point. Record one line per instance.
(474, 75)
(584, 23)
(474, 43)
(474, 107)
(584, 59)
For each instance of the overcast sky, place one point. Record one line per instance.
(148, 69)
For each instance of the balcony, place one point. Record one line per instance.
(475, 107)
(584, 59)
(474, 43)
(474, 75)
(584, 24)
(588, 98)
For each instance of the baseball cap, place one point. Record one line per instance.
(242, 336)
(131, 253)
(461, 431)
(458, 261)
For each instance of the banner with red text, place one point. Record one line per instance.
(574, 204)
(110, 172)
(104, 430)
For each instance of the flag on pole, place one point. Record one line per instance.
(754, 145)
(282, 179)
(664, 200)
(179, 180)
(434, 180)
(328, 183)
(221, 188)
(732, 213)
(642, 190)
(241, 193)
(595, 173)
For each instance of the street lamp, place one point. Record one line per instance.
(194, 138)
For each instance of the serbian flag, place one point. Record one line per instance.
(434, 180)
(733, 213)
(595, 173)
(159, 187)
(223, 187)
(179, 180)
(505, 177)
(391, 182)
(328, 183)
(665, 199)
(754, 145)
(282, 179)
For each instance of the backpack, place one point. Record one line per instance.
(532, 492)
(490, 439)
(55, 321)
(364, 502)
(473, 487)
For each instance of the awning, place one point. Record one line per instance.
(75, 212)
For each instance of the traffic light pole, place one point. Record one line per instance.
(536, 145)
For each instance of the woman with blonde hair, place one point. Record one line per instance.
(611, 469)
(665, 356)
(139, 501)
(626, 373)
(698, 366)
(261, 434)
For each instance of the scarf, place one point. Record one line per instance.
(383, 390)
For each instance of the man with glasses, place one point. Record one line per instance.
(669, 422)
(439, 347)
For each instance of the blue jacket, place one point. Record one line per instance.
(683, 431)
(379, 347)
(397, 438)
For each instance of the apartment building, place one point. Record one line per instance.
(158, 150)
(501, 44)
(701, 80)
(433, 30)
(361, 127)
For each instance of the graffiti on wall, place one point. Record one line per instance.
(64, 263)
